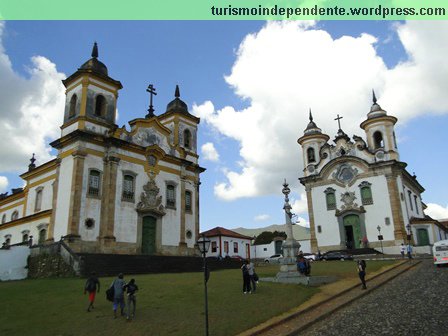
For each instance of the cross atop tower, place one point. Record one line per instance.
(152, 92)
(339, 121)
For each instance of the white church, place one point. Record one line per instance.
(359, 191)
(111, 189)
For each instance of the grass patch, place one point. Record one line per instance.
(167, 304)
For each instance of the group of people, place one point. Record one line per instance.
(407, 249)
(117, 290)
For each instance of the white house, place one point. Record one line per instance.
(227, 243)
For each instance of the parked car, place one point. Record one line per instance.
(337, 255)
(276, 258)
(310, 256)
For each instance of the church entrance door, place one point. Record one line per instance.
(352, 231)
(149, 235)
(422, 237)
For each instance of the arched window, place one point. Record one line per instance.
(188, 201)
(100, 106)
(187, 138)
(25, 238)
(366, 193)
(330, 198)
(128, 187)
(72, 110)
(378, 140)
(7, 240)
(4, 219)
(14, 215)
(38, 202)
(42, 236)
(171, 196)
(310, 155)
(94, 183)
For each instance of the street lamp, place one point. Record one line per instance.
(380, 238)
(203, 245)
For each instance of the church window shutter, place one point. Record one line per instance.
(330, 198)
(410, 200)
(42, 236)
(25, 238)
(128, 188)
(171, 196)
(14, 215)
(94, 183)
(366, 193)
(226, 247)
(416, 203)
(4, 219)
(235, 247)
(187, 139)
(72, 109)
(311, 155)
(214, 247)
(188, 201)
(100, 106)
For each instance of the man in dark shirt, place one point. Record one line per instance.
(131, 288)
(91, 286)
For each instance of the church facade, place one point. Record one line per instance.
(110, 189)
(359, 191)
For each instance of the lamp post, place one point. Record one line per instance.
(380, 238)
(203, 245)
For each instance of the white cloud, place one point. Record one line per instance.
(437, 211)
(303, 222)
(31, 108)
(209, 152)
(261, 218)
(300, 206)
(286, 68)
(3, 184)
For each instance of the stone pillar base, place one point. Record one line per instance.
(106, 244)
(289, 274)
(183, 249)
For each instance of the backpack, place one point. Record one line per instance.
(110, 294)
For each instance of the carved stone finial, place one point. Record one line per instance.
(95, 50)
(373, 96)
(31, 166)
(177, 92)
(311, 116)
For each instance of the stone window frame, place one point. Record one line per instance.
(235, 247)
(72, 105)
(364, 185)
(189, 207)
(25, 236)
(14, 215)
(410, 200)
(94, 192)
(8, 238)
(42, 227)
(100, 106)
(188, 234)
(214, 247)
(169, 202)
(311, 155)
(226, 247)
(38, 198)
(328, 193)
(128, 197)
(377, 142)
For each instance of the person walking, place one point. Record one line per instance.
(253, 281)
(362, 272)
(402, 249)
(246, 277)
(409, 251)
(131, 288)
(118, 285)
(91, 286)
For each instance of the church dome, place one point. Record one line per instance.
(93, 64)
(312, 127)
(177, 105)
(375, 110)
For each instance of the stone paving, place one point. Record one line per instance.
(414, 303)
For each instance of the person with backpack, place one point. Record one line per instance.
(91, 286)
(362, 272)
(131, 288)
(118, 290)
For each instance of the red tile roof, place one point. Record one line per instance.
(220, 231)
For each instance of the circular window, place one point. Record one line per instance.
(90, 223)
(189, 234)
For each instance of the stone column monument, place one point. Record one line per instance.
(291, 247)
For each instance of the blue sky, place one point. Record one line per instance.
(252, 83)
